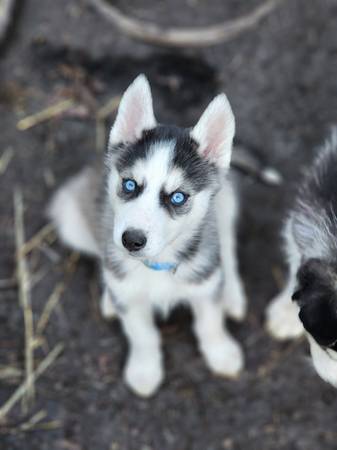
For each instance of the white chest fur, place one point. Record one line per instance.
(160, 289)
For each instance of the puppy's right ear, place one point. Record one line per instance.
(214, 132)
(135, 113)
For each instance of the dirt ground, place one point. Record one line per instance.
(281, 79)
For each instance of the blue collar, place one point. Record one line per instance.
(160, 266)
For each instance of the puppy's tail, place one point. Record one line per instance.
(72, 210)
(244, 161)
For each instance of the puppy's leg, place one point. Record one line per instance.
(325, 361)
(222, 353)
(144, 369)
(233, 294)
(282, 313)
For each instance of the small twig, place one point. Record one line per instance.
(22, 389)
(45, 114)
(36, 240)
(183, 37)
(24, 294)
(49, 307)
(5, 159)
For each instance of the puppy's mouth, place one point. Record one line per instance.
(140, 254)
(145, 256)
(135, 255)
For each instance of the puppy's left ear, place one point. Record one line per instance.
(135, 113)
(215, 132)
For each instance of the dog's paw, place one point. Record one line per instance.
(143, 375)
(235, 301)
(324, 361)
(282, 319)
(224, 357)
(107, 308)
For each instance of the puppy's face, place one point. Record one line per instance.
(156, 198)
(162, 178)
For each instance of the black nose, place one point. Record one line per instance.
(133, 240)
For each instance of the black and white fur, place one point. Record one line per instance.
(311, 245)
(91, 213)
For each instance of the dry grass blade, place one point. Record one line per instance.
(71, 264)
(183, 37)
(58, 290)
(45, 114)
(49, 307)
(56, 294)
(51, 425)
(33, 421)
(5, 159)
(24, 295)
(109, 108)
(36, 240)
(51, 254)
(37, 277)
(22, 389)
(9, 372)
(6, 14)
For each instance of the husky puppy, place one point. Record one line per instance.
(160, 216)
(311, 247)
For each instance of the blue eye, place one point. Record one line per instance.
(178, 198)
(129, 186)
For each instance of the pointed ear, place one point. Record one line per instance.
(135, 113)
(215, 132)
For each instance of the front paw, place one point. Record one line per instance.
(235, 301)
(282, 319)
(143, 374)
(224, 357)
